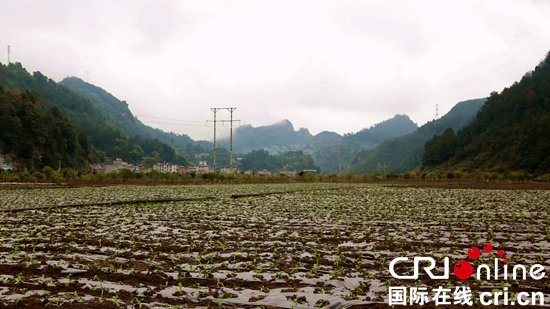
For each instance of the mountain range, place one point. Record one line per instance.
(331, 150)
(404, 153)
(114, 132)
(75, 123)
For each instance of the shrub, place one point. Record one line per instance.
(38, 175)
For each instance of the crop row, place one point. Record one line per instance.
(310, 247)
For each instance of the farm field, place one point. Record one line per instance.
(258, 246)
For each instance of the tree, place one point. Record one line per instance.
(440, 148)
(47, 171)
(150, 161)
(69, 174)
(126, 173)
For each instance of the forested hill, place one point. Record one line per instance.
(336, 154)
(396, 126)
(117, 113)
(405, 152)
(34, 134)
(511, 132)
(106, 137)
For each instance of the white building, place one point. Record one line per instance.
(201, 168)
(166, 168)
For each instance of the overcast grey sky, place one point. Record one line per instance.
(324, 65)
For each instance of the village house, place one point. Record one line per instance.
(184, 170)
(227, 170)
(112, 166)
(95, 168)
(166, 168)
(201, 168)
(143, 168)
(288, 173)
(264, 172)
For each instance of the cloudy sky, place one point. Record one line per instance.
(324, 65)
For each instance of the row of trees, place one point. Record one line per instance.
(291, 161)
(47, 174)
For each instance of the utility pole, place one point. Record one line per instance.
(215, 110)
(8, 54)
(231, 109)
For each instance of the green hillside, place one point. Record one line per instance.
(33, 134)
(117, 113)
(396, 126)
(334, 155)
(97, 125)
(405, 152)
(511, 132)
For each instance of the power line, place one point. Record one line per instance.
(120, 87)
(162, 118)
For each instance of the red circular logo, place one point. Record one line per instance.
(474, 253)
(463, 270)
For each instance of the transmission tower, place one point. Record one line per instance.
(231, 120)
(8, 54)
(436, 111)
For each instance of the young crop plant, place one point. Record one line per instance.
(179, 288)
